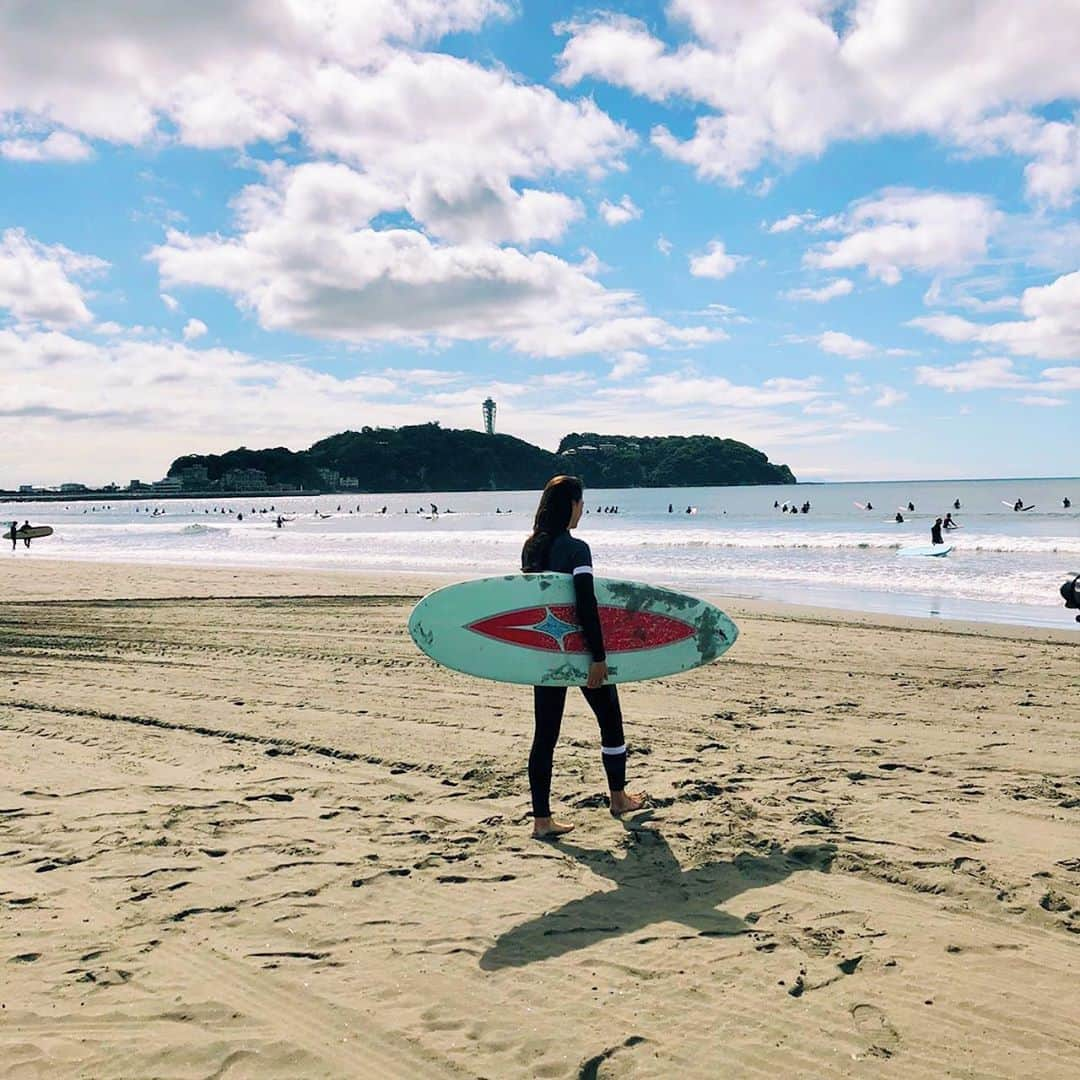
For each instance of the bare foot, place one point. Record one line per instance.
(623, 802)
(546, 828)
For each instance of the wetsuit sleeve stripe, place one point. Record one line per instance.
(583, 570)
(587, 613)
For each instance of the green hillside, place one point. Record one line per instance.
(427, 457)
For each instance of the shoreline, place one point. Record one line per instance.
(73, 580)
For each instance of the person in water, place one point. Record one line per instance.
(550, 547)
(899, 519)
(935, 533)
(1018, 505)
(1066, 502)
(956, 504)
(949, 523)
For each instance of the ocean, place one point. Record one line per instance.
(1006, 566)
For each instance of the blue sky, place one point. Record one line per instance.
(845, 233)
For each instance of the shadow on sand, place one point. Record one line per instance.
(651, 888)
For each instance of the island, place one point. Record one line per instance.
(428, 457)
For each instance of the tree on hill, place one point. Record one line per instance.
(427, 457)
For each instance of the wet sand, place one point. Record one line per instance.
(246, 830)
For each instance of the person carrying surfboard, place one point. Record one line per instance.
(550, 547)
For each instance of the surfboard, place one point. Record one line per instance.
(935, 550)
(522, 628)
(35, 532)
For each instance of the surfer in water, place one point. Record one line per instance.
(552, 548)
(935, 532)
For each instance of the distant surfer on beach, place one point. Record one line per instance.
(550, 547)
(14, 538)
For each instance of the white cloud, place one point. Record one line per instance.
(835, 288)
(664, 245)
(460, 147)
(786, 78)
(866, 426)
(840, 344)
(902, 229)
(792, 221)
(1061, 379)
(627, 364)
(307, 260)
(36, 283)
(988, 373)
(170, 302)
(715, 262)
(194, 329)
(1050, 329)
(58, 146)
(621, 212)
(678, 389)
(223, 73)
(1054, 146)
(1041, 401)
(825, 408)
(889, 397)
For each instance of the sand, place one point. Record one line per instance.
(246, 830)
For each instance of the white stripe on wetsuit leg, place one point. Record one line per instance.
(582, 569)
(613, 749)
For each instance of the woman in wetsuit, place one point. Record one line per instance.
(552, 548)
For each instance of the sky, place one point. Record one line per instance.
(843, 231)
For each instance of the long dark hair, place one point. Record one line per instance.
(552, 518)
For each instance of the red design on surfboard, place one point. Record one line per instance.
(555, 628)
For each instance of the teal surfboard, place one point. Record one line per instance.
(934, 551)
(522, 628)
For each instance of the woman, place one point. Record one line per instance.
(552, 548)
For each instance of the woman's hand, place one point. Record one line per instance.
(597, 674)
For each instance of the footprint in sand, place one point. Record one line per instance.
(873, 1025)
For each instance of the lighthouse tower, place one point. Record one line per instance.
(489, 416)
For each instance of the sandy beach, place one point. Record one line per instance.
(247, 830)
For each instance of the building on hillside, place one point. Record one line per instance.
(244, 480)
(194, 478)
(72, 489)
(489, 416)
(170, 485)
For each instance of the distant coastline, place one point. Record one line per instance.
(428, 457)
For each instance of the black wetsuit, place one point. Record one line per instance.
(567, 555)
(935, 534)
